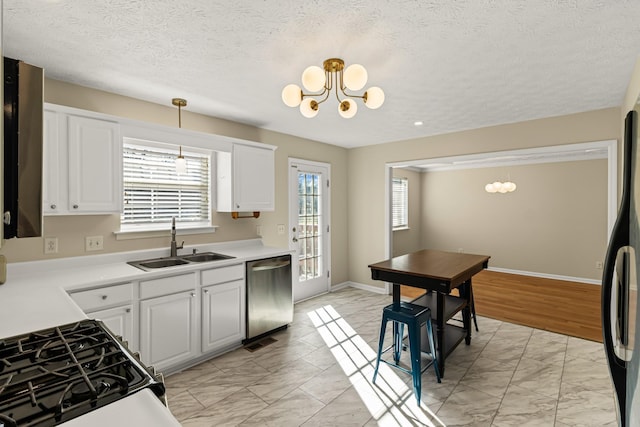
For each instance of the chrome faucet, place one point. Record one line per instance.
(174, 246)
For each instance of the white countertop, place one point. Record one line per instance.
(35, 297)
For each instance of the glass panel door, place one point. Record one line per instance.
(309, 228)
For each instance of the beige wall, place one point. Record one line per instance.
(366, 172)
(406, 241)
(554, 223)
(71, 230)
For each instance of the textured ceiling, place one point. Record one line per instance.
(452, 64)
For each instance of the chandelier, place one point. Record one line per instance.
(500, 187)
(321, 82)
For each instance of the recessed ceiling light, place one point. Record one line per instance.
(418, 123)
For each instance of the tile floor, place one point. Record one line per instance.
(319, 371)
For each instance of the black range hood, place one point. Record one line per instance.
(23, 131)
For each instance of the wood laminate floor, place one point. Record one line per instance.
(568, 308)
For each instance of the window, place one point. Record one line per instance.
(400, 208)
(154, 192)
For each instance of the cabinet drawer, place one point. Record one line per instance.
(167, 285)
(222, 274)
(95, 299)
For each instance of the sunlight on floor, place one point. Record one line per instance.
(390, 401)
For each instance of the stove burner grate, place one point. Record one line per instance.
(51, 376)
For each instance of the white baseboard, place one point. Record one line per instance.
(381, 290)
(546, 276)
(340, 286)
(362, 286)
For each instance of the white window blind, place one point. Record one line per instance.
(154, 192)
(400, 203)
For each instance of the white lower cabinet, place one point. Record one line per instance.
(222, 315)
(173, 320)
(168, 329)
(119, 320)
(168, 321)
(113, 305)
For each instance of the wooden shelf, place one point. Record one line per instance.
(453, 334)
(452, 304)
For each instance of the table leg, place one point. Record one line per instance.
(465, 290)
(440, 331)
(397, 331)
(396, 295)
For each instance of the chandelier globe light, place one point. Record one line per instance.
(500, 187)
(320, 82)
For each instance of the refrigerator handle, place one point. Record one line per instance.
(619, 240)
(617, 366)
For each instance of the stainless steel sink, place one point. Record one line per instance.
(155, 263)
(163, 262)
(205, 257)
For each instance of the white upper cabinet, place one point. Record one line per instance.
(83, 165)
(246, 179)
(52, 165)
(95, 167)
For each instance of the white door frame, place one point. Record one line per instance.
(612, 179)
(327, 203)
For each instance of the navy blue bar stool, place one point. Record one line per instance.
(414, 316)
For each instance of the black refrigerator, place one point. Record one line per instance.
(620, 298)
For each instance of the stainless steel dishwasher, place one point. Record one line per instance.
(269, 296)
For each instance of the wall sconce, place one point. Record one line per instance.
(500, 187)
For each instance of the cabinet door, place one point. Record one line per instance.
(95, 165)
(168, 329)
(119, 320)
(223, 315)
(253, 178)
(52, 167)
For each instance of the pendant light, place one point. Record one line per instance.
(181, 163)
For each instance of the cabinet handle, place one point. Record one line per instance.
(53, 206)
(128, 310)
(193, 294)
(75, 206)
(206, 291)
(104, 297)
(237, 206)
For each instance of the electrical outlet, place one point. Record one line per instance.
(93, 243)
(259, 230)
(50, 245)
(599, 265)
(280, 228)
(460, 250)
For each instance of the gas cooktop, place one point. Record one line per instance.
(53, 375)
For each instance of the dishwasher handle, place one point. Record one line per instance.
(270, 265)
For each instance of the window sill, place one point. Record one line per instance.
(406, 227)
(144, 233)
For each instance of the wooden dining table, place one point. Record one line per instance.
(438, 273)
